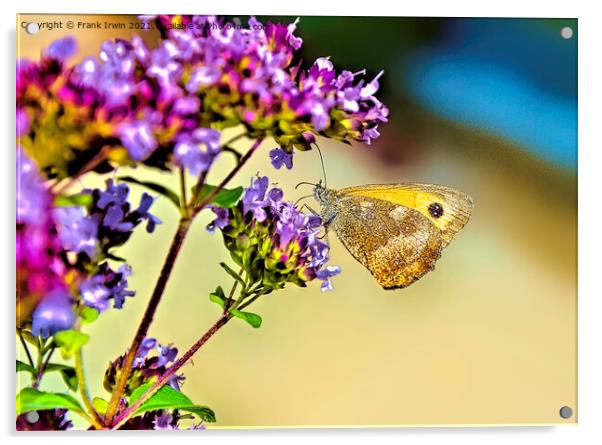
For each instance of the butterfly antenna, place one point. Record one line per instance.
(306, 183)
(303, 197)
(322, 162)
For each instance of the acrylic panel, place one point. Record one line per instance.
(201, 244)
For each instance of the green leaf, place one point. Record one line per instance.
(67, 373)
(203, 412)
(168, 398)
(218, 297)
(232, 273)
(25, 367)
(225, 198)
(70, 341)
(251, 318)
(30, 399)
(81, 199)
(168, 193)
(100, 405)
(88, 314)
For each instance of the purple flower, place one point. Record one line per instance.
(138, 138)
(116, 195)
(105, 285)
(196, 151)
(22, 122)
(273, 241)
(155, 364)
(187, 105)
(147, 345)
(112, 210)
(221, 220)
(61, 49)
(142, 212)
(253, 199)
(113, 219)
(280, 157)
(201, 77)
(164, 421)
(77, 231)
(53, 314)
(166, 354)
(325, 274)
(32, 197)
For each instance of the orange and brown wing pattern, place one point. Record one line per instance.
(447, 208)
(398, 245)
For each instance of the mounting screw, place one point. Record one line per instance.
(566, 412)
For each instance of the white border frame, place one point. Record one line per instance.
(590, 244)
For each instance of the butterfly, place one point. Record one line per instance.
(397, 231)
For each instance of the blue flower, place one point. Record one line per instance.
(280, 157)
(53, 314)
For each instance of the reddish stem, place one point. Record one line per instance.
(169, 373)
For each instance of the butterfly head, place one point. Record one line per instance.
(322, 194)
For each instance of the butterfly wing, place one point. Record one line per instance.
(397, 244)
(455, 206)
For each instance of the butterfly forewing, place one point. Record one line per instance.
(447, 208)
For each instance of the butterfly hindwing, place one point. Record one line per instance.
(397, 244)
(447, 208)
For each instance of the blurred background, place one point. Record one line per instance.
(488, 106)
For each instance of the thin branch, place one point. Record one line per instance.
(164, 275)
(83, 390)
(229, 177)
(183, 192)
(42, 369)
(148, 316)
(169, 373)
(26, 349)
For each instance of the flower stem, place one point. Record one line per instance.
(166, 270)
(148, 316)
(183, 198)
(83, 390)
(42, 369)
(26, 349)
(169, 373)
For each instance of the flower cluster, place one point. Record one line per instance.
(150, 362)
(63, 251)
(43, 298)
(165, 104)
(272, 240)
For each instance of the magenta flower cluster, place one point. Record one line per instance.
(63, 251)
